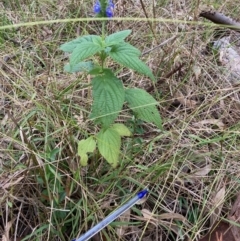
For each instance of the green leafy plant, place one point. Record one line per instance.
(108, 91)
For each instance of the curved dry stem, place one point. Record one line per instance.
(220, 18)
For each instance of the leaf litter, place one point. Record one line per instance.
(228, 229)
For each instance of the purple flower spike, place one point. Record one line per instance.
(97, 7)
(109, 9)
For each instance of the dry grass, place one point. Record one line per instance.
(46, 195)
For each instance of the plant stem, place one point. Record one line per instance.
(103, 56)
(103, 28)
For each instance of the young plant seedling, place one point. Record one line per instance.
(108, 91)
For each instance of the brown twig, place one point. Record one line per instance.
(146, 15)
(169, 74)
(161, 44)
(220, 18)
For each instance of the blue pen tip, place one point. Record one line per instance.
(142, 193)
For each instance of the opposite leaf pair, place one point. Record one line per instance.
(108, 141)
(109, 96)
(112, 45)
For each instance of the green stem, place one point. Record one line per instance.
(103, 6)
(103, 28)
(102, 59)
(103, 56)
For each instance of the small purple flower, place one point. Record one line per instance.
(109, 9)
(97, 7)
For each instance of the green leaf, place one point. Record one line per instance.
(108, 98)
(116, 38)
(79, 67)
(70, 46)
(144, 105)
(121, 129)
(52, 154)
(125, 49)
(96, 71)
(107, 50)
(85, 146)
(109, 143)
(127, 55)
(83, 51)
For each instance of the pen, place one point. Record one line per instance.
(111, 217)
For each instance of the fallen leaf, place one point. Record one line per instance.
(215, 122)
(4, 120)
(148, 216)
(160, 220)
(202, 172)
(217, 204)
(12, 183)
(156, 219)
(197, 71)
(184, 100)
(175, 216)
(219, 232)
(235, 217)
